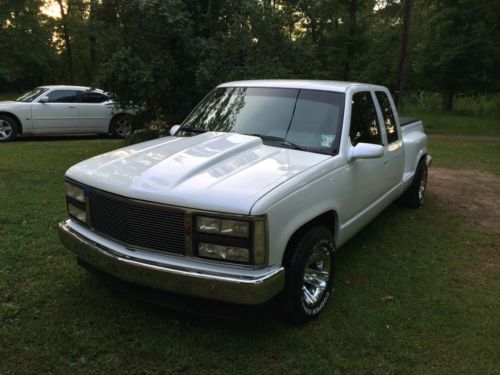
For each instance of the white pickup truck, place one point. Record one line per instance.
(250, 197)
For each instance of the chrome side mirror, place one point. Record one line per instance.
(174, 129)
(44, 99)
(365, 151)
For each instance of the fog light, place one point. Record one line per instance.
(77, 213)
(235, 254)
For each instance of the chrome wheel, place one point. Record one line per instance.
(316, 275)
(122, 127)
(422, 186)
(6, 130)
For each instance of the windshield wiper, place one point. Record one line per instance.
(279, 140)
(192, 130)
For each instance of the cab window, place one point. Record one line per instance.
(364, 121)
(389, 120)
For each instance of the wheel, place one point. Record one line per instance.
(414, 196)
(8, 129)
(120, 126)
(309, 276)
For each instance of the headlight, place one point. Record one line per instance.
(75, 192)
(226, 239)
(75, 200)
(232, 253)
(224, 227)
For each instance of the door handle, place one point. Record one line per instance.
(386, 162)
(72, 106)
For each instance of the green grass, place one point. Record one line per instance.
(450, 124)
(458, 153)
(56, 318)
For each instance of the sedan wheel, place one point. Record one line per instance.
(121, 126)
(8, 129)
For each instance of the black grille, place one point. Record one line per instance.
(137, 224)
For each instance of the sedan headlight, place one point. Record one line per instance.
(75, 200)
(224, 227)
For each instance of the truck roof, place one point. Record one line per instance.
(338, 86)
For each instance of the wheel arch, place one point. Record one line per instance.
(328, 219)
(115, 116)
(16, 119)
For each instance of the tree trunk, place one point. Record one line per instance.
(92, 43)
(403, 56)
(67, 41)
(447, 103)
(350, 43)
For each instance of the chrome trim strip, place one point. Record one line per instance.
(218, 286)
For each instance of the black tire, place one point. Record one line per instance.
(414, 196)
(302, 300)
(120, 126)
(8, 129)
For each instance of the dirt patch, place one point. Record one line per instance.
(472, 196)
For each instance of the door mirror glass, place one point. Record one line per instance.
(365, 151)
(174, 129)
(44, 99)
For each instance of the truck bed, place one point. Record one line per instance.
(403, 121)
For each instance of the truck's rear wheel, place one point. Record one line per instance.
(8, 129)
(309, 276)
(415, 195)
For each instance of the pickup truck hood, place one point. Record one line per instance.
(223, 172)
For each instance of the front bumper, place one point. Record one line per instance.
(246, 289)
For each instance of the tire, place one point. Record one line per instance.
(8, 129)
(120, 126)
(414, 196)
(309, 276)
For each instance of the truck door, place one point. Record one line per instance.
(367, 178)
(393, 153)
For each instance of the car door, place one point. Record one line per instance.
(59, 114)
(366, 178)
(95, 111)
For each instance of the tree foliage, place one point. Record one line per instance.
(166, 54)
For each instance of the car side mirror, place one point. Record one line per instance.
(174, 129)
(365, 151)
(44, 99)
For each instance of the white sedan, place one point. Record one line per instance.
(62, 110)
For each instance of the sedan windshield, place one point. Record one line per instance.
(31, 95)
(295, 118)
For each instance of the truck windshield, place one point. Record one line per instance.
(31, 95)
(303, 119)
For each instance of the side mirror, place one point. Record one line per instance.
(174, 129)
(365, 151)
(44, 99)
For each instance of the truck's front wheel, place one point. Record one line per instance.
(309, 275)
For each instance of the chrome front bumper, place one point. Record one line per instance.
(217, 286)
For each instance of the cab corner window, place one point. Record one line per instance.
(364, 122)
(389, 120)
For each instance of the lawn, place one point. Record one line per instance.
(411, 294)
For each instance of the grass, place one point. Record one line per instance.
(441, 316)
(460, 125)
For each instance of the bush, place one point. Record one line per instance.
(154, 129)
